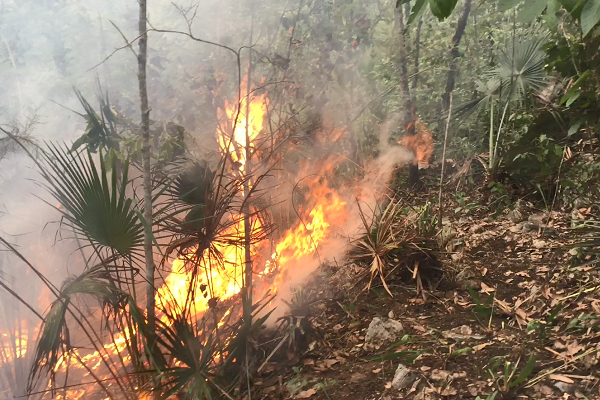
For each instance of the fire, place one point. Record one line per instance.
(225, 280)
(221, 280)
(421, 143)
(303, 240)
(236, 146)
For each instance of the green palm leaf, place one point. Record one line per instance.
(54, 335)
(97, 209)
(520, 69)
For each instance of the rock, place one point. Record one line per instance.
(530, 227)
(516, 228)
(383, 332)
(457, 256)
(534, 227)
(478, 228)
(403, 378)
(446, 235)
(564, 387)
(516, 216)
(538, 219)
(461, 333)
(439, 375)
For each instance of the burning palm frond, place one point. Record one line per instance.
(54, 344)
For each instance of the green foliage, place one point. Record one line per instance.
(54, 339)
(520, 69)
(297, 383)
(508, 377)
(440, 8)
(98, 209)
(388, 232)
(542, 326)
(590, 15)
(482, 308)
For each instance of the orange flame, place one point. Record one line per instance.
(236, 146)
(421, 144)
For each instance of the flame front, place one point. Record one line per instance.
(235, 146)
(224, 279)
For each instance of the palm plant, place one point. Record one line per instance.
(195, 213)
(520, 71)
(97, 209)
(386, 232)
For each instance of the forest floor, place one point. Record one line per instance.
(511, 312)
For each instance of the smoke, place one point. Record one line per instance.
(48, 47)
(370, 191)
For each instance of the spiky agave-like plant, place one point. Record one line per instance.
(387, 233)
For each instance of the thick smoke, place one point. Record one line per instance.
(370, 192)
(49, 47)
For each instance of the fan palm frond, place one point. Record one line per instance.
(487, 92)
(520, 69)
(101, 131)
(98, 209)
(53, 340)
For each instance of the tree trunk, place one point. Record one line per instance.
(415, 81)
(407, 106)
(248, 270)
(145, 127)
(453, 70)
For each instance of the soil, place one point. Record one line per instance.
(536, 338)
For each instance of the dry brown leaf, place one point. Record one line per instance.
(357, 377)
(522, 314)
(482, 346)
(504, 306)
(419, 328)
(561, 378)
(439, 375)
(573, 348)
(449, 391)
(484, 271)
(388, 385)
(486, 289)
(329, 363)
(305, 394)
(376, 370)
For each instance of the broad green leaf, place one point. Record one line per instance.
(550, 16)
(572, 99)
(573, 7)
(80, 142)
(574, 89)
(505, 5)
(461, 352)
(531, 10)
(442, 8)
(527, 370)
(417, 11)
(590, 15)
(574, 129)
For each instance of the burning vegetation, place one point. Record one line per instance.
(224, 268)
